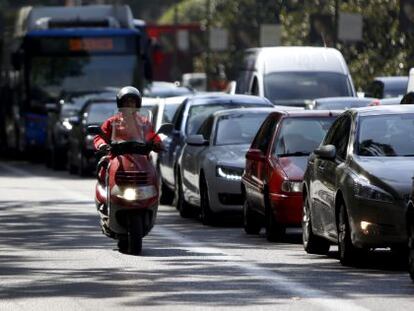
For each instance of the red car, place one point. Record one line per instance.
(276, 161)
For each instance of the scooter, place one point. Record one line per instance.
(127, 187)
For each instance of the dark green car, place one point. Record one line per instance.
(358, 182)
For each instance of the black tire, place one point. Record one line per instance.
(182, 206)
(207, 216)
(83, 167)
(348, 253)
(251, 220)
(71, 167)
(57, 161)
(135, 234)
(411, 248)
(312, 243)
(166, 194)
(274, 231)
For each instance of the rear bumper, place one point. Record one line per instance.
(287, 209)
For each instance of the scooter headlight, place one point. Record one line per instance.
(135, 194)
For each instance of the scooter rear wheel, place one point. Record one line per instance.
(135, 234)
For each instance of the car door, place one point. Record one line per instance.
(167, 158)
(256, 167)
(192, 159)
(325, 171)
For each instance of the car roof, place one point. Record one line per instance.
(383, 109)
(344, 99)
(299, 58)
(251, 110)
(307, 113)
(218, 98)
(401, 79)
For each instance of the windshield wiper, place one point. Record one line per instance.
(294, 154)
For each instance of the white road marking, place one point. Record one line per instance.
(276, 280)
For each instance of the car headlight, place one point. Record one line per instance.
(67, 125)
(291, 186)
(134, 194)
(367, 191)
(231, 173)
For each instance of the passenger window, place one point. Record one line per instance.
(178, 117)
(206, 127)
(339, 136)
(255, 87)
(264, 135)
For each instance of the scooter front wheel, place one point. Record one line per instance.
(135, 234)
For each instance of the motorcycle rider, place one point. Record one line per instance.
(128, 98)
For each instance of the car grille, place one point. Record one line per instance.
(131, 178)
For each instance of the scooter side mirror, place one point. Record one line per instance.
(94, 130)
(166, 129)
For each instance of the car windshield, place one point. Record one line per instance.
(301, 136)
(386, 136)
(285, 86)
(199, 113)
(169, 111)
(50, 75)
(99, 112)
(238, 129)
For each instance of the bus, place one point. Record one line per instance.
(59, 50)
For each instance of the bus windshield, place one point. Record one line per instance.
(49, 75)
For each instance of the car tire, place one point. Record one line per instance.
(312, 243)
(166, 194)
(123, 245)
(182, 206)
(56, 159)
(207, 216)
(71, 167)
(251, 220)
(411, 248)
(274, 231)
(83, 167)
(348, 253)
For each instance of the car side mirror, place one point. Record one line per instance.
(94, 130)
(255, 155)
(196, 140)
(52, 107)
(166, 129)
(326, 152)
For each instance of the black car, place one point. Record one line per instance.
(358, 182)
(385, 87)
(80, 154)
(59, 123)
(187, 120)
(410, 214)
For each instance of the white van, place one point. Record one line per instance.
(294, 75)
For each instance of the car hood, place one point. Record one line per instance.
(293, 167)
(392, 174)
(229, 155)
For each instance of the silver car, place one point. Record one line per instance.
(213, 160)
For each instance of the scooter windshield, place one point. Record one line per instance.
(131, 125)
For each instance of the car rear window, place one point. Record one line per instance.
(199, 113)
(238, 129)
(301, 136)
(99, 112)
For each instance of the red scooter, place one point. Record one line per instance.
(127, 188)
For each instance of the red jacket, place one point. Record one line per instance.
(141, 121)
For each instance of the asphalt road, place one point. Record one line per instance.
(53, 257)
